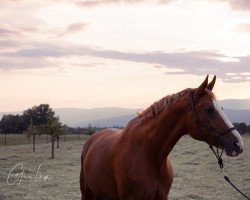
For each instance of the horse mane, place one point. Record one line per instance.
(162, 104)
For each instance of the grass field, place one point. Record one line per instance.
(197, 175)
(17, 139)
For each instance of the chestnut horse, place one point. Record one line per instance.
(133, 164)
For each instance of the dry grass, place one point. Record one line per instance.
(17, 139)
(197, 175)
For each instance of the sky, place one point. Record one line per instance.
(120, 53)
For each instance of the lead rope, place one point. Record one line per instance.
(223, 173)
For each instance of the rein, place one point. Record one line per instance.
(223, 173)
(216, 153)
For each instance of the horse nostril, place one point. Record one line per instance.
(237, 145)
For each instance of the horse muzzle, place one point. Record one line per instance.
(234, 149)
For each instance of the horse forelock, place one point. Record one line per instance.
(162, 104)
(211, 94)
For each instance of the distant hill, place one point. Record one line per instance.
(238, 115)
(120, 116)
(113, 121)
(110, 116)
(236, 104)
(236, 110)
(107, 116)
(78, 117)
(233, 115)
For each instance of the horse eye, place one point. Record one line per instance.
(222, 108)
(209, 109)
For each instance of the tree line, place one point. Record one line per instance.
(40, 120)
(39, 117)
(34, 121)
(42, 114)
(242, 128)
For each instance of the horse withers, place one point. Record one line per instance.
(132, 163)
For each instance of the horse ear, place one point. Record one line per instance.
(201, 89)
(210, 86)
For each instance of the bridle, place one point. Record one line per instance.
(219, 134)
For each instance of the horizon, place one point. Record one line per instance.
(88, 54)
(101, 107)
(110, 116)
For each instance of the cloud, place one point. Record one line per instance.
(40, 52)
(72, 28)
(244, 27)
(243, 5)
(94, 64)
(4, 44)
(94, 3)
(29, 29)
(24, 63)
(8, 32)
(15, 32)
(76, 27)
(194, 62)
(238, 5)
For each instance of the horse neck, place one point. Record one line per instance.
(162, 132)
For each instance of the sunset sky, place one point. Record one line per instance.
(120, 53)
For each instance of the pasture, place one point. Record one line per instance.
(18, 139)
(33, 176)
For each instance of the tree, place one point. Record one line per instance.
(53, 128)
(38, 115)
(1, 132)
(248, 129)
(12, 124)
(32, 131)
(90, 130)
(35, 118)
(241, 127)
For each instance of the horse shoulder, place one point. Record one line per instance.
(98, 163)
(136, 178)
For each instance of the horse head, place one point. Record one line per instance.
(207, 122)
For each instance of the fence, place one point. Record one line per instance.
(19, 139)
